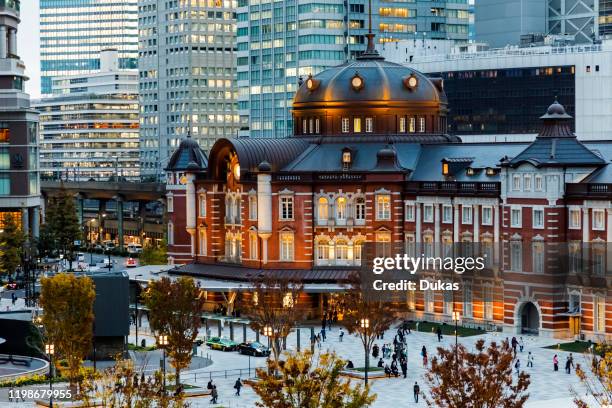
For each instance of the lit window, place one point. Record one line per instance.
(466, 214)
(286, 208)
(304, 126)
(599, 223)
(402, 125)
(317, 126)
(538, 218)
(487, 215)
(253, 245)
(341, 208)
(357, 125)
(445, 169)
(575, 218)
(412, 125)
(516, 218)
(383, 207)
(369, 125)
(410, 212)
(345, 125)
(599, 309)
(323, 209)
(286, 246)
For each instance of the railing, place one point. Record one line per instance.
(588, 189)
(452, 187)
(209, 375)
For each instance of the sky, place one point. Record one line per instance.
(28, 44)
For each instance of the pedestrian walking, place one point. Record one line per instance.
(424, 355)
(237, 386)
(556, 363)
(521, 344)
(210, 385)
(569, 363)
(404, 366)
(341, 335)
(214, 395)
(375, 351)
(530, 360)
(323, 337)
(439, 333)
(416, 390)
(514, 344)
(517, 366)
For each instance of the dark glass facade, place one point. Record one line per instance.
(505, 101)
(605, 18)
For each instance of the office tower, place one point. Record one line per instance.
(19, 181)
(577, 19)
(73, 32)
(605, 18)
(276, 47)
(187, 76)
(89, 127)
(502, 22)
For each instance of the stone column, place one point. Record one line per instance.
(3, 42)
(476, 219)
(437, 222)
(35, 221)
(496, 227)
(456, 223)
(12, 41)
(25, 220)
(120, 222)
(585, 225)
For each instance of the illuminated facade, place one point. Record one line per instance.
(89, 128)
(370, 163)
(187, 65)
(279, 42)
(19, 178)
(73, 32)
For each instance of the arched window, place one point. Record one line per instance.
(253, 245)
(341, 250)
(341, 208)
(202, 242)
(323, 209)
(360, 209)
(322, 249)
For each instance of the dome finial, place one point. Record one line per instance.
(370, 52)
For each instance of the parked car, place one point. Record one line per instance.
(108, 245)
(131, 263)
(253, 348)
(134, 248)
(80, 257)
(221, 343)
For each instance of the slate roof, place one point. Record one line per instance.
(188, 154)
(233, 272)
(557, 152)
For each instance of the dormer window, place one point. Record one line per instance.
(470, 171)
(445, 169)
(347, 159)
(490, 171)
(317, 126)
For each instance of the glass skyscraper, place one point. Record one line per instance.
(187, 64)
(281, 41)
(73, 32)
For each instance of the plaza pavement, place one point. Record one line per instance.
(547, 388)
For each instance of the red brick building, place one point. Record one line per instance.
(370, 163)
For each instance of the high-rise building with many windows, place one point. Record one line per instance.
(73, 32)
(187, 65)
(280, 42)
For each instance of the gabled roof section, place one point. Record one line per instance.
(188, 157)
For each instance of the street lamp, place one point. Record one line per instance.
(268, 332)
(456, 318)
(136, 299)
(50, 350)
(365, 325)
(162, 341)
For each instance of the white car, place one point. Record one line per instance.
(81, 257)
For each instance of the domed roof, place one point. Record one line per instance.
(367, 80)
(555, 111)
(189, 156)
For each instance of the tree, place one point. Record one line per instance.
(62, 226)
(597, 380)
(274, 308)
(483, 379)
(122, 386)
(305, 381)
(68, 316)
(154, 254)
(367, 314)
(175, 309)
(12, 240)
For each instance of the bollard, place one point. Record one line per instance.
(257, 336)
(231, 327)
(244, 333)
(219, 327)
